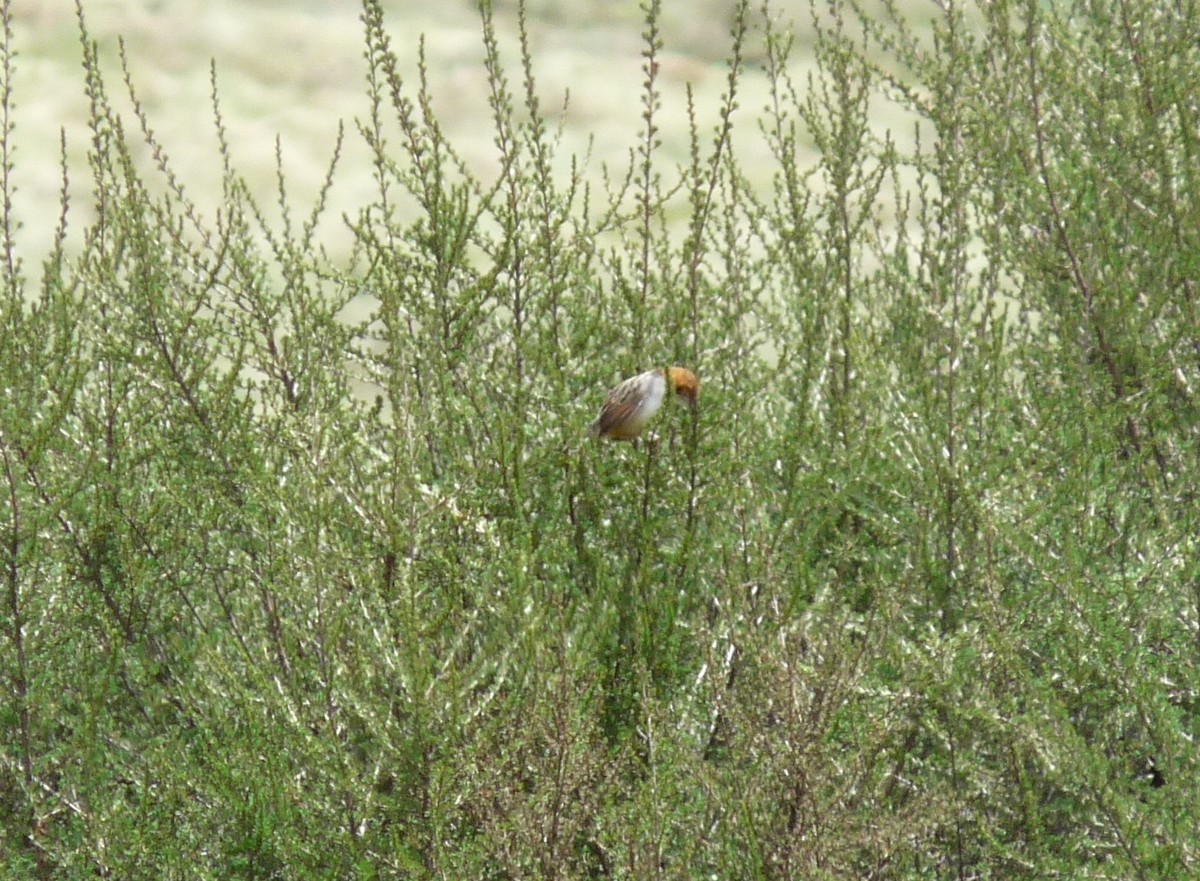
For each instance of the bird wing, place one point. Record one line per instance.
(623, 402)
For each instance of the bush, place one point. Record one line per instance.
(913, 594)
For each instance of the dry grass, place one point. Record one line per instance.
(291, 70)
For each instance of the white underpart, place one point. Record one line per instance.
(653, 387)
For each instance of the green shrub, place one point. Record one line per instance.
(913, 594)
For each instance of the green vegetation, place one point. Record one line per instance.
(915, 593)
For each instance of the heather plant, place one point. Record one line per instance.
(914, 593)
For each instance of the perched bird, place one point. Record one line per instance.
(635, 401)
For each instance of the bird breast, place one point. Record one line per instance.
(652, 388)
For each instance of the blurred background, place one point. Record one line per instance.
(293, 70)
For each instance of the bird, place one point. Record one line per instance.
(634, 402)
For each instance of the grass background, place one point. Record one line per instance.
(293, 70)
(308, 570)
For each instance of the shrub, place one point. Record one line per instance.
(914, 593)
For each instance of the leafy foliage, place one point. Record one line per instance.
(914, 594)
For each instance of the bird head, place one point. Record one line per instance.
(685, 384)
